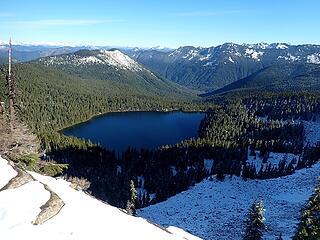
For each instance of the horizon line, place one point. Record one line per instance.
(69, 44)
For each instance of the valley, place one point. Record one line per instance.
(250, 134)
(160, 120)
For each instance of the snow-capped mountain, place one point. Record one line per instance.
(214, 67)
(111, 57)
(35, 207)
(204, 69)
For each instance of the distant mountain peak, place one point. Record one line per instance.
(111, 57)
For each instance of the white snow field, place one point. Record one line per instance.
(82, 217)
(216, 210)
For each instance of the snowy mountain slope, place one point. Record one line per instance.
(214, 67)
(82, 217)
(216, 210)
(113, 58)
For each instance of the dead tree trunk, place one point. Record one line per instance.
(11, 90)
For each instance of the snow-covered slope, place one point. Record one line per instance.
(216, 210)
(113, 58)
(82, 217)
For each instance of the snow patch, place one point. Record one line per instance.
(273, 159)
(208, 163)
(253, 54)
(7, 173)
(191, 54)
(289, 57)
(119, 170)
(118, 59)
(281, 46)
(91, 59)
(312, 132)
(205, 58)
(314, 58)
(180, 232)
(208, 64)
(173, 170)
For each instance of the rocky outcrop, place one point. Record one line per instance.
(19, 180)
(50, 209)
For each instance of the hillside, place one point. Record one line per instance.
(207, 69)
(214, 209)
(277, 78)
(39, 207)
(116, 68)
(58, 96)
(217, 210)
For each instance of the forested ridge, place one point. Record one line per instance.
(279, 78)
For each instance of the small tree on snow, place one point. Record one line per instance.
(131, 204)
(279, 237)
(254, 223)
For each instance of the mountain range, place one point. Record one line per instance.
(204, 70)
(207, 69)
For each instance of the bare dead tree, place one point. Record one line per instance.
(11, 90)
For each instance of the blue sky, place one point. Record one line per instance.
(170, 23)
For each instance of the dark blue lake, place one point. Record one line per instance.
(118, 131)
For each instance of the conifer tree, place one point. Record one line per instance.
(309, 226)
(131, 204)
(254, 224)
